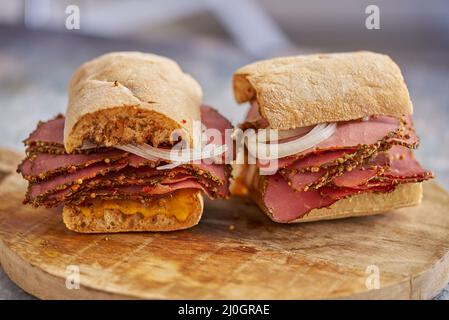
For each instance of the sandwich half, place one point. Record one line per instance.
(344, 136)
(105, 162)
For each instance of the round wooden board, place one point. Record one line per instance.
(254, 259)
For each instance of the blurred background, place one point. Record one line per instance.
(43, 41)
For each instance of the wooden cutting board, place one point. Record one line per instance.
(234, 253)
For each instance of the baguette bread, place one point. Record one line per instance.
(115, 220)
(306, 90)
(130, 97)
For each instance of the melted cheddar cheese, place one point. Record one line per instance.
(178, 204)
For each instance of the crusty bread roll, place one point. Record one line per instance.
(113, 220)
(404, 195)
(305, 90)
(130, 97)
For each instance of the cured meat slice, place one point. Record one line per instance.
(44, 164)
(404, 165)
(319, 160)
(135, 192)
(302, 181)
(212, 119)
(358, 132)
(361, 175)
(356, 177)
(341, 193)
(49, 132)
(344, 171)
(254, 119)
(217, 172)
(285, 204)
(75, 178)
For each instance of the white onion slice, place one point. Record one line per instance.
(138, 151)
(318, 134)
(176, 157)
(169, 166)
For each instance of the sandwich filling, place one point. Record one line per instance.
(366, 155)
(99, 178)
(177, 204)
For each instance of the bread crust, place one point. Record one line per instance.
(130, 97)
(114, 220)
(305, 90)
(364, 204)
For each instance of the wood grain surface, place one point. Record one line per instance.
(234, 253)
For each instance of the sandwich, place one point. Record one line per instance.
(108, 162)
(344, 136)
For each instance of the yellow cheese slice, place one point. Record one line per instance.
(178, 204)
